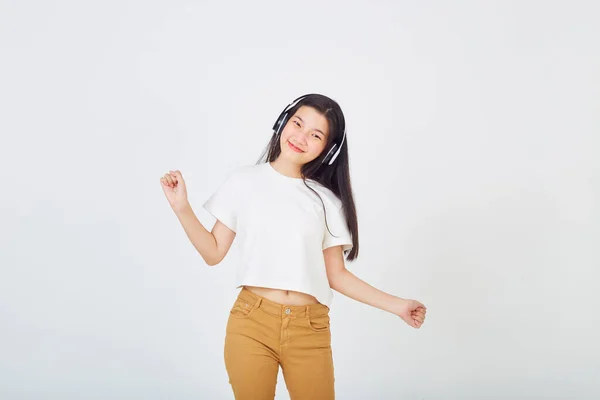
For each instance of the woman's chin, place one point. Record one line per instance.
(292, 155)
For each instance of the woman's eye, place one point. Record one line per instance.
(317, 136)
(296, 122)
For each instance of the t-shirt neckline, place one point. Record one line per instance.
(282, 176)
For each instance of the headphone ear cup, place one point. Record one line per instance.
(329, 154)
(280, 123)
(337, 153)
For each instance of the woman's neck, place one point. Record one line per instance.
(287, 168)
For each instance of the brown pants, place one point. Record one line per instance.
(262, 335)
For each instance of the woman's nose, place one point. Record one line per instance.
(303, 135)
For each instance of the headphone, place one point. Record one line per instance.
(283, 118)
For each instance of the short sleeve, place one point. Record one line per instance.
(223, 203)
(336, 221)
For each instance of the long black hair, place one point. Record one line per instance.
(335, 177)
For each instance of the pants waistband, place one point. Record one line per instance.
(281, 310)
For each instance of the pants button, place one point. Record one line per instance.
(287, 311)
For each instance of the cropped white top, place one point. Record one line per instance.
(280, 228)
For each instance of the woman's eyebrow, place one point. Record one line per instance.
(318, 130)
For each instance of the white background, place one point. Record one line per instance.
(473, 138)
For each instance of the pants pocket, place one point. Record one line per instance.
(318, 323)
(241, 309)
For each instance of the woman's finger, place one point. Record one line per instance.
(420, 317)
(177, 175)
(174, 177)
(165, 183)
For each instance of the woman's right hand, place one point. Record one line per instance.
(174, 187)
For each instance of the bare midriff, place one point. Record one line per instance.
(287, 297)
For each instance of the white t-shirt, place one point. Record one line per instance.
(280, 228)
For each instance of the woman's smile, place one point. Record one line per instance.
(296, 149)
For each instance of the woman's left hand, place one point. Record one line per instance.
(412, 312)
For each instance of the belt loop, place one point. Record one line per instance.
(307, 310)
(257, 304)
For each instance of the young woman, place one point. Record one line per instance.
(295, 221)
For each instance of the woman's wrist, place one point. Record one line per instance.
(182, 208)
(397, 305)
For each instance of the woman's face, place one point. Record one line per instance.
(306, 131)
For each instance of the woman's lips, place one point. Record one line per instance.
(297, 150)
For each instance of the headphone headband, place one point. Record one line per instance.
(282, 120)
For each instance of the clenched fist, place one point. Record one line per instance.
(174, 187)
(411, 311)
